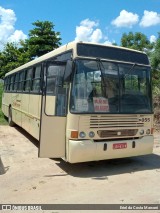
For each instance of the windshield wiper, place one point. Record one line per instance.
(101, 68)
(100, 65)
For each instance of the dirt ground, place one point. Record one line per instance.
(32, 180)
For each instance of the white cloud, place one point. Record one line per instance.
(125, 19)
(96, 36)
(153, 39)
(87, 32)
(17, 36)
(88, 23)
(150, 18)
(7, 20)
(7, 29)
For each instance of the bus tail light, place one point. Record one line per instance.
(74, 134)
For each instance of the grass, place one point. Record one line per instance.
(2, 118)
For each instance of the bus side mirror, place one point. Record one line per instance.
(68, 71)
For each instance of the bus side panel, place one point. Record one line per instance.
(16, 108)
(18, 111)
(5, 103)
(24, 108)
(34, 113)
(9, 100)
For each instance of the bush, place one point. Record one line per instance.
(156, 109)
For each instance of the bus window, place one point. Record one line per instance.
(16, 82)
(21, 81)
(55, 91)
(36, 79)
(12, 82)
(135, 94)
(27, 82)
(91, 86)
(64, 57)
(8, 83)
(52, 73)
(5, 83)
(62, 99)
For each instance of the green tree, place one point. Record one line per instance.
(42, 39)
(155, 64)
(155, 57)
(11, 57)
(137, 41)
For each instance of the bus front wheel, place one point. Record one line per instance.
(11, 123)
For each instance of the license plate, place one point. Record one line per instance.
(120, 146)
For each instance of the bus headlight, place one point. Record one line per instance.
(141, 132)
(148, 131)
(91, 134)
(82, 134)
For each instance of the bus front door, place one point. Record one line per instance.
(53, 112)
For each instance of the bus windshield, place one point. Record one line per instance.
(110, 87)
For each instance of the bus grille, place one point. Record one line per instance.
(115, 133)
(109, 121)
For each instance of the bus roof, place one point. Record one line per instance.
(64, 48)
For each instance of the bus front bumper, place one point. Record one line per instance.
(88, 150)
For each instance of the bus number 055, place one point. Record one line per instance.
(146, 119)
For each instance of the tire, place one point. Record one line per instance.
(10, 122)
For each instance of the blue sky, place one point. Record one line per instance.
(102, 21)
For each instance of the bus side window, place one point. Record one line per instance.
(62, 100)
(8, 83)
(51, 76)
(13, 86)
(62, 89)
(21, 81)
(55, 90)
(5, 83)
(16, 82)
(27, 81)
(52, 73)
(36, 79)
(12, 82)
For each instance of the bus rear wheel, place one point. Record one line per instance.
(11, 123)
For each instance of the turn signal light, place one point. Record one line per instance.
(74, 134)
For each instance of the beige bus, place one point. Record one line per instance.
(84, 102)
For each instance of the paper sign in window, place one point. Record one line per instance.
(101, 104)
